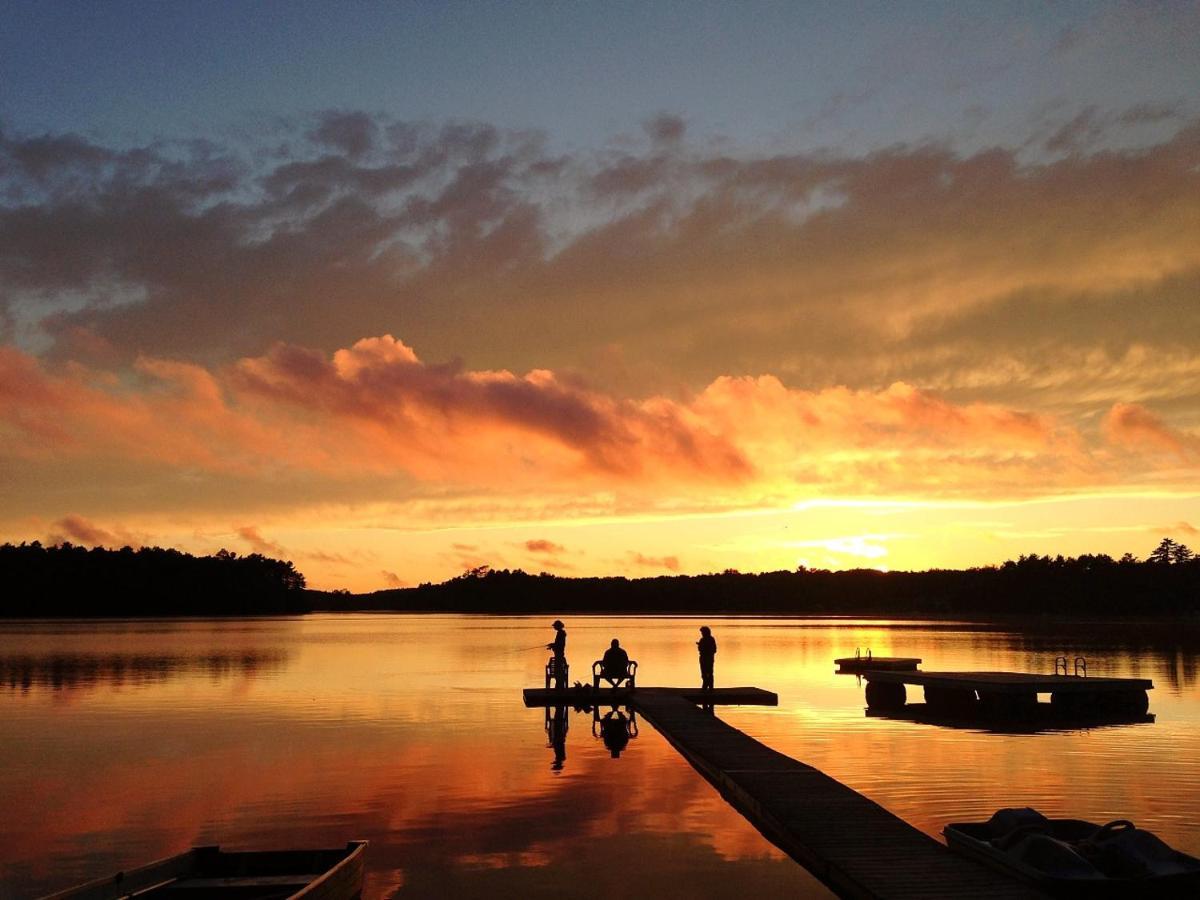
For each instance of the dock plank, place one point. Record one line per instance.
(851, 843)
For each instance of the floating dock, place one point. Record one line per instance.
(1009, 691)
(854, 665)
(852, 844)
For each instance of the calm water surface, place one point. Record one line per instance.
(125, 741)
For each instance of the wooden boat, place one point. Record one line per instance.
(210, 872)
(1074, 858)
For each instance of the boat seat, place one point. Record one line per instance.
(1134, 853)
(1054, 857)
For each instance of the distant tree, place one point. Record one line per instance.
(1129, 559)
(68, 580)
(1180, 553)
(1164, 553)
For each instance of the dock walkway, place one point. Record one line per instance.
(852, 844)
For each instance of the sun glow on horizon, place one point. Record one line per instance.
(393, 348)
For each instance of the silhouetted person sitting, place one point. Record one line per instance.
(614, 667)
(558, 663)
(707, 645)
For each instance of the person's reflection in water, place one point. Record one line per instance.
(615, 731)
(556, 732)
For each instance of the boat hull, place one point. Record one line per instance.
(973, 839)
(210, 872)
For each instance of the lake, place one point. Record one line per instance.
(125, 741)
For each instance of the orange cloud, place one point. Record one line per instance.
(543, 546)
(1134, 426)
(376, 411)
(988, 273)
(380, 387)
(671, 563)
(371, 436)
(259, 544)
(79, 530)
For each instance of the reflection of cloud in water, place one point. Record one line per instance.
(630, 864)
(82, 672)
(447, 813)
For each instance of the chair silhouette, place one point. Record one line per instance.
(552, 673)
(615, 678)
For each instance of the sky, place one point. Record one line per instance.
(398, 290)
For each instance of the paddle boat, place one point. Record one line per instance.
(211, 872)
(1074, 858)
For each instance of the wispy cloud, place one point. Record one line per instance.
(1002, 280)
(670, 563)
(542, 545)
(79, 530)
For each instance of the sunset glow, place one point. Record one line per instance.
(391, 339)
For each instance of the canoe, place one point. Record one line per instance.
(210, 872)
(1074, 858)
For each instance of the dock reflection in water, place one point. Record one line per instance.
(1040, 720)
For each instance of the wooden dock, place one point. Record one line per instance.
(852, 844)
(589, 696)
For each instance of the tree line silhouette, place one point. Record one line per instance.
(71, 581)
(1166, 584)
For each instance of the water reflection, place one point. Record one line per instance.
(616, 728)
(557, 725)
(1039, 720)
(409, 731)
(85, 671)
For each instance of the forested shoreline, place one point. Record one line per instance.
(72, 581)
(68, 581)
(1166, 584)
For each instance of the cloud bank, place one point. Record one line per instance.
(358, 419)
(229, 330)
(1052, 281)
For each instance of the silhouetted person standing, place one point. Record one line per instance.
(707, 645)
(559, 646)
(615, 663)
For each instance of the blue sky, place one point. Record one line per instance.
(848, 75)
